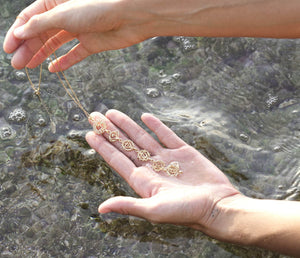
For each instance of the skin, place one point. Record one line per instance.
(202, 197)
(102, 25)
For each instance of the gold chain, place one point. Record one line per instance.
(100, 128)
(38, 93)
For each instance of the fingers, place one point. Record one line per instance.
(12, 42)
(122, 162)
(40, 17)
(166, 136)
(127, 205)
(115, 136)
(24, 53)
(134, 131)
(116, 159)
(24, 36)
(48, 48)
(74, 56)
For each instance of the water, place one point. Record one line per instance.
(236, 100)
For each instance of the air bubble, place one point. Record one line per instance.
(244, 137)
(7, 133)
(41, 121)
(152, 92)
(162, 74)
(176, 76)
(277, 148)
(76, 117)
(89, 153)
(18, 115)
(203, 123)
(166, 81)
(271, 101)
(20, 76)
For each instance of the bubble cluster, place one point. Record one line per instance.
(166, 81)
(186, 43)
(152, 92)
(7, 133)
(176, 76)
(244, 137)
(271, 101)
(18, 115)
(76, 134)
(169, 79)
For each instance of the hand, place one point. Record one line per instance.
(46, 25)
(114, 24)
(189, 199)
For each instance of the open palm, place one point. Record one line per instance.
(188, 199)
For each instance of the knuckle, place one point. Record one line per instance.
(34, 21)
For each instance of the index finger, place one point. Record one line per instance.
(11, 42)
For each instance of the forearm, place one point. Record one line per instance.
(269, 224)
(226, 18)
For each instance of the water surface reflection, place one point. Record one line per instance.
(235, 100)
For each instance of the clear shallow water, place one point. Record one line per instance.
(235, 100)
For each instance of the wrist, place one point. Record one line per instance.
(232, 220)
(270, 224)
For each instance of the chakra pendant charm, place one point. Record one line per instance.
(128, 145)
(173, 169)
(114, 136)
(100, 128)
(143, 155)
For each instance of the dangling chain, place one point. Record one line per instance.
(100, 127)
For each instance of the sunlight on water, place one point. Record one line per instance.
(235, 100)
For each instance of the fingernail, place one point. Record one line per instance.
(19, 32)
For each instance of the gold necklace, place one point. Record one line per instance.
(100, 127)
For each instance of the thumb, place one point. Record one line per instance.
(127, 205)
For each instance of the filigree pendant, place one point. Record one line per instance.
(100, 128)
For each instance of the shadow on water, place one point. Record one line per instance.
(237, 101)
